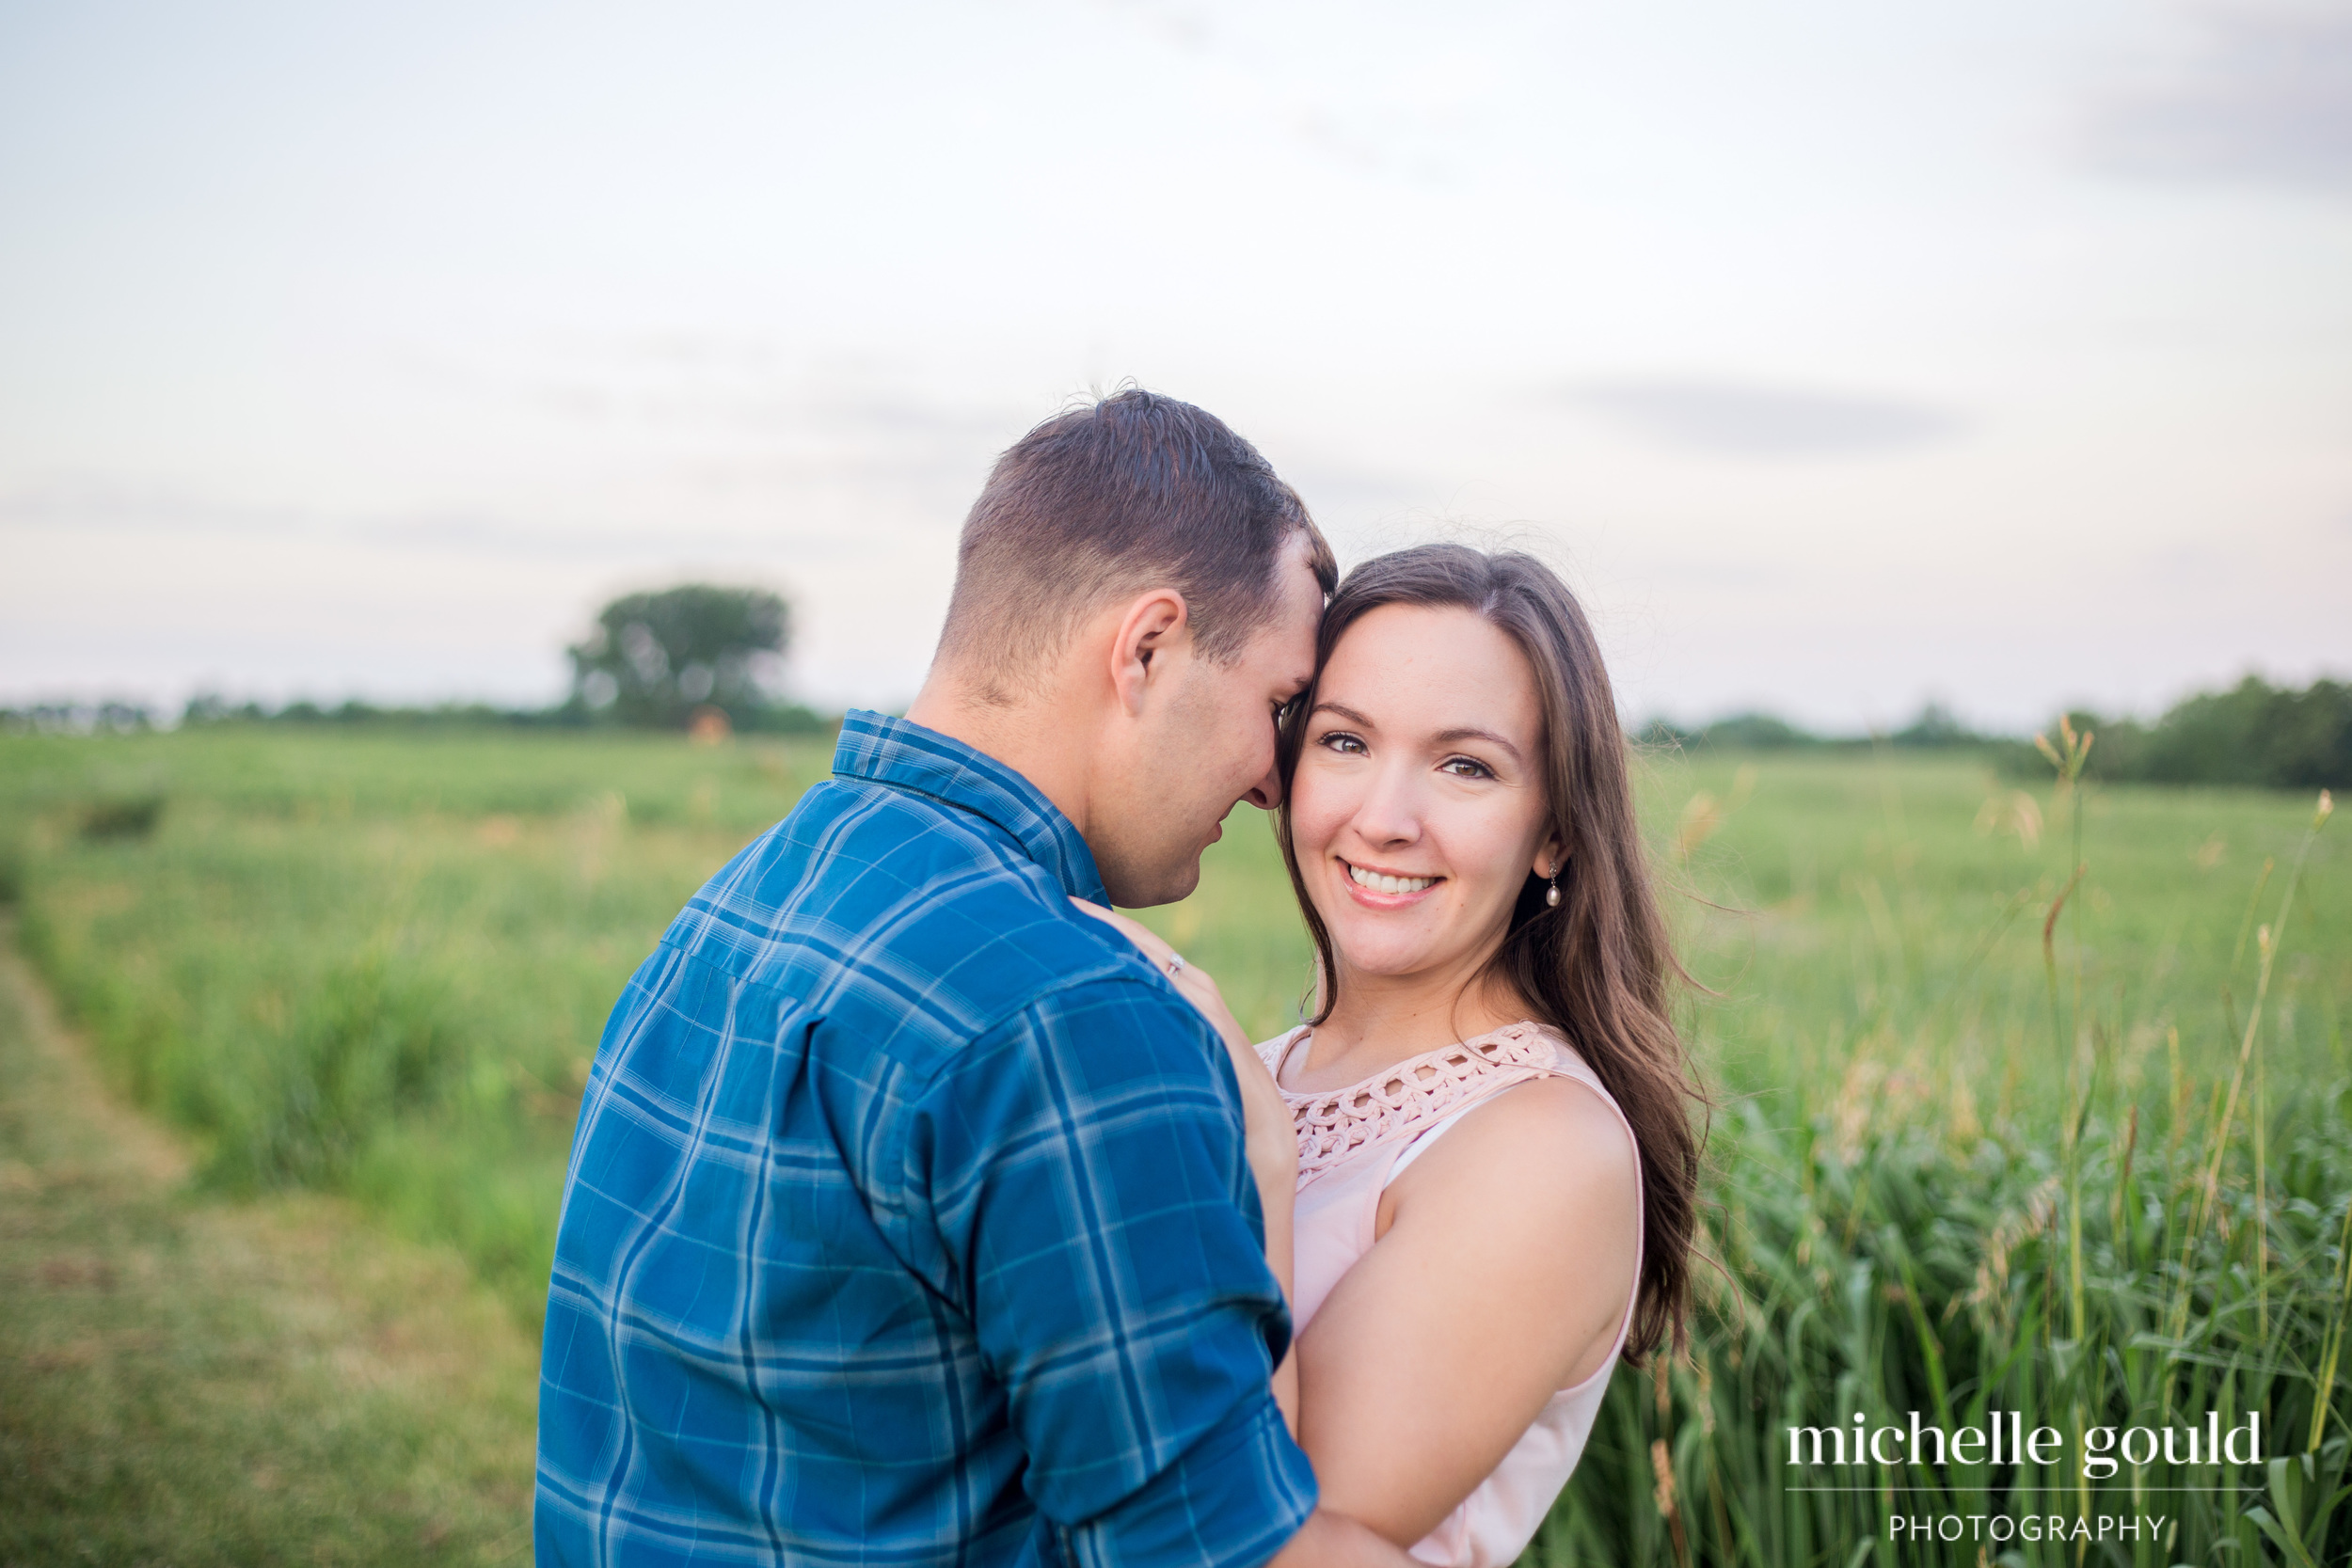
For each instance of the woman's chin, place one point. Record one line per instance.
(1377, 956)
(1397, 946)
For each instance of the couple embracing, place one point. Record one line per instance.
(925, 1213)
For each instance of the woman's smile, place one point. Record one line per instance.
(1376, 888)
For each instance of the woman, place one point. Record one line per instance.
(1495, 1161)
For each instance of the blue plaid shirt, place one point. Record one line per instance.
(908, 1221)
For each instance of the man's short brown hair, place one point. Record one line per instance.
(1134, 491)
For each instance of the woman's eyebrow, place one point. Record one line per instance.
(1449, 738)
(1443, 738)
(1344, 712)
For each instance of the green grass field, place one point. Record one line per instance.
(1958, 1166)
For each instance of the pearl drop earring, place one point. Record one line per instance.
(1551, 892)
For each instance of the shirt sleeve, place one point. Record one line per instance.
(1087, 1178)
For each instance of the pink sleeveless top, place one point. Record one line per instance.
(1351, 1143)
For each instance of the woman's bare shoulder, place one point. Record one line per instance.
(1551, 1142)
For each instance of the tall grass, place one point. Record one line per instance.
(2033, 1100)
(1891, 1277)
(2141, 1260)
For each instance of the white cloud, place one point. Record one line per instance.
(2262, 95)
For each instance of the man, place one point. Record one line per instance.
(909, 1220)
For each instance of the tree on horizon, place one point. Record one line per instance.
(653, 659)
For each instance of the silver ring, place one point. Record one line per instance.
(1175, 965)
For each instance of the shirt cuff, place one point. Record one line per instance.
(1232, 1500)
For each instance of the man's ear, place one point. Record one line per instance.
(1153, 622)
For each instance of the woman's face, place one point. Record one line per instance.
(1418, 807)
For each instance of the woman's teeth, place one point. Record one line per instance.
(1377, 883)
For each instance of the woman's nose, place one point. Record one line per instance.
(1390, 813)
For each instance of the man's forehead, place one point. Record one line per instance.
(1282, 649)
(1301, 583)
(1303, 608)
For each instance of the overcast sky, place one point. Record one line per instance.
(1842, 353)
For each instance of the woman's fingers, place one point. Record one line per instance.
(1196, 984)
(1151, 943)
(1189, 978)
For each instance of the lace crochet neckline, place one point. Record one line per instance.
(1406, 1097)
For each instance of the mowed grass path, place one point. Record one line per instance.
(1955, 1162)
(195, 1382)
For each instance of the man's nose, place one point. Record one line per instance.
(1266, 793)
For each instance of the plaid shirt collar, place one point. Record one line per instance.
(893, 752)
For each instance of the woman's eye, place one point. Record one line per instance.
(1466, 767)
(1340, 740)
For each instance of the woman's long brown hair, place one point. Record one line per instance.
(1599, 967)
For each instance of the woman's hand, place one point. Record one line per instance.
(1272, 1141)
(1191, 979)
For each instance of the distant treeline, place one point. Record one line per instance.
(2254, 733)
(1936, 726)
(700, 657)
(206, 709)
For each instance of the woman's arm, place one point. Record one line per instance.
(1500, 1276)
(1269, 1138)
